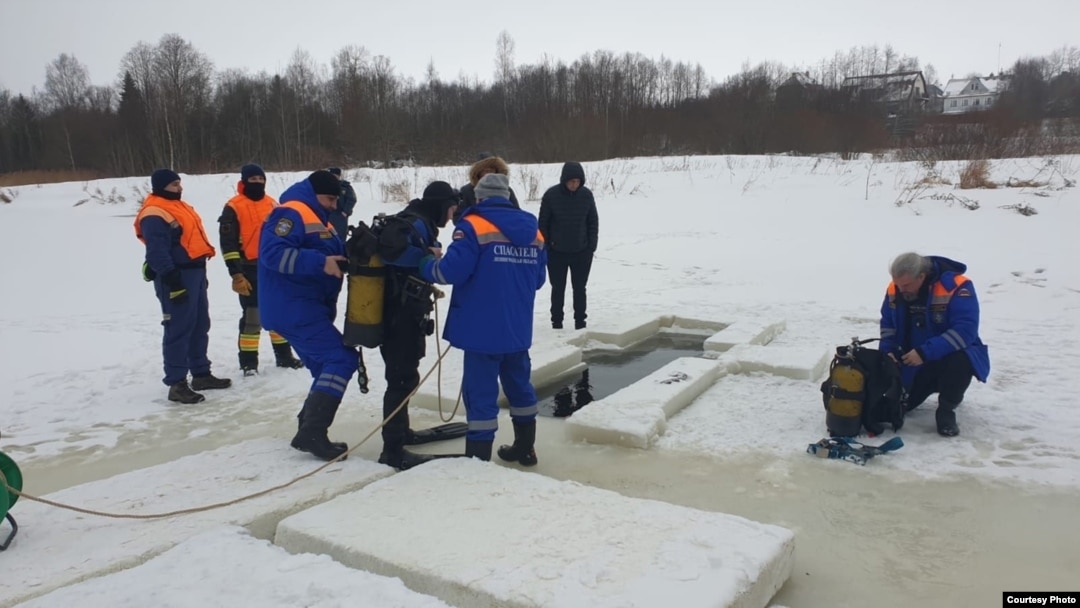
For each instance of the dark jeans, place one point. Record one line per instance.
(187, 327)
(579, 265)
(403, 346)
(950, 377)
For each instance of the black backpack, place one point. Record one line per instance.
(863, 390)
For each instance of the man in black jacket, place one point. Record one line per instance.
(404, 240)
(570, 226)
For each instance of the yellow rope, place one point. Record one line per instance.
(229, 503)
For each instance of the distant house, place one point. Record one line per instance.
(898, 92)
(972, 94)
(797, 90)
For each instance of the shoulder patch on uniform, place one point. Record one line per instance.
(458, 234)
(283, 227)
(964, 292)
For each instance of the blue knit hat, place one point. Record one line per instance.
(251, 170)
(161, 178)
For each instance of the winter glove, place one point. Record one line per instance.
(177, 292)
(241, 285)
(148, 273)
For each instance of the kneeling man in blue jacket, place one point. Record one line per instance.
(496, 263)
(930, 325)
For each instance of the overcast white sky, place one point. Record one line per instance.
(956, 36)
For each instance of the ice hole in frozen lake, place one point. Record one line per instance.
(602, 372)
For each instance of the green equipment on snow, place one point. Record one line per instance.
(11, 483)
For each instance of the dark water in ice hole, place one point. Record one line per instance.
(609, 371)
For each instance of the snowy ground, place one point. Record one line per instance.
(806, 240)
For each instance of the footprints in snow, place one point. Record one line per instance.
(1023, 277)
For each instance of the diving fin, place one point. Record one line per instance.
(450, 430)
(404, 460)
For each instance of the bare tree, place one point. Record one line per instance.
(504, 72)
(66, 83)
(183, 75)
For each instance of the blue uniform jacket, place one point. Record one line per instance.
(163, 249)
(294, 288)
(496, 265)
(950, 322)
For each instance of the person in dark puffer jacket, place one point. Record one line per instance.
(570, 225)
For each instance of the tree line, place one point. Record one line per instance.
(170, 107)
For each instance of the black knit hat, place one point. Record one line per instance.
(437, 200)
(441, 191)
(251, 170)
(324, 182)
(161, 178)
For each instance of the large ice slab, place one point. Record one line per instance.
(637, 415)
(623, 332)
(480, 534)
(82, 546)
(227, 567)
(797, 362)
(745, 332)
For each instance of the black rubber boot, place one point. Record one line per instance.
(478, 449)
(249, 362)
(318, 415)
(208, 382)
(182, 393)
(524, 440)
(283, 357)
(946, 418)
(300, 424)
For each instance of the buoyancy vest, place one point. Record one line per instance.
(250, 215)
(180, 215)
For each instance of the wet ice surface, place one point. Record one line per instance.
(860, 532)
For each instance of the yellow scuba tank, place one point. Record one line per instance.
(844, 392)
(366, 286)
(844, 399)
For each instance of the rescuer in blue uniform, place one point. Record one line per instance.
(496, 263)
(300, 277)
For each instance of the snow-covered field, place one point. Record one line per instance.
(806, 240)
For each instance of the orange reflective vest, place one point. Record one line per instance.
(939, 294)
(250, 215)
(486, 232)
(312, 223)
(177, 214)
